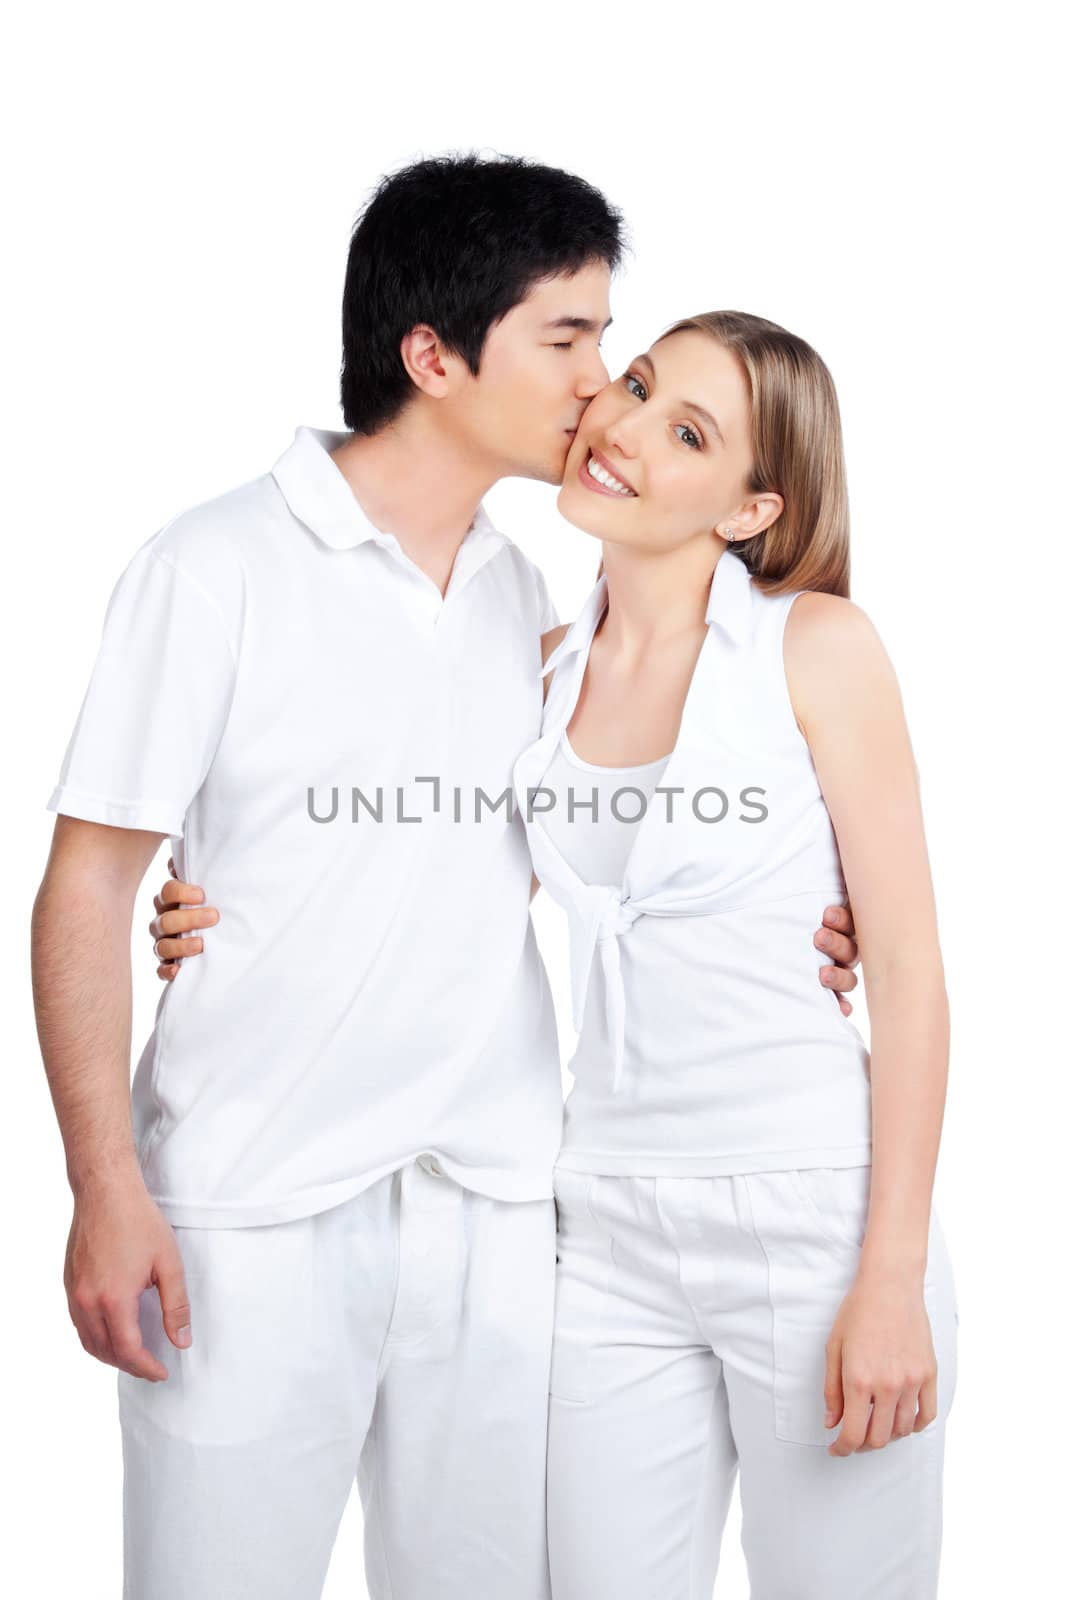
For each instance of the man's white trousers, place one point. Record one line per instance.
(400, 1340)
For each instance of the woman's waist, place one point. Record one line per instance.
(719, 1038)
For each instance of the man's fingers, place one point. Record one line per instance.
(174, 1303)
(92, 1331)
(125, 1333)
(839, 918)
(843, 950)
(841, 979)
(168, 970)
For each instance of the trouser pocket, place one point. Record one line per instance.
(584, 1271)
(811, 1226)
(812, 1223)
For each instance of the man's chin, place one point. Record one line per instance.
(543, 472)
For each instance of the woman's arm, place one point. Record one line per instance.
(846, 699)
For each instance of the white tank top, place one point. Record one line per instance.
(597, 811)
(707, 1044)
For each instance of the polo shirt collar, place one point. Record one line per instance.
(729, 608)
(318, 495)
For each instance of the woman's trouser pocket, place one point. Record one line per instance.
(812, 1223)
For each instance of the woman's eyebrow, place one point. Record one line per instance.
(706, 417)
(689, 405)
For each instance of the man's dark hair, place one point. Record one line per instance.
(455, 242)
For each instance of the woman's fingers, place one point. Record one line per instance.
(927, 1404)
(857, 1414)
(833, 1391)
(170, 923)
(174, 892)
(882, 1419)
(174, 922)
(178, 949)
(906, 1409)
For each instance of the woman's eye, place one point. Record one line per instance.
(569, 345)
(632, 378)
(689, 436)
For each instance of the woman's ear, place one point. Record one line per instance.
(755, 515)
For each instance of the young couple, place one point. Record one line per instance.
(337, 1164)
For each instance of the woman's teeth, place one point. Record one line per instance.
(603, 476)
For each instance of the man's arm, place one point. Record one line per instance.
(119, 1241)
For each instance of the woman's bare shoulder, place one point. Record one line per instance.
(819, 625)
(833, 655)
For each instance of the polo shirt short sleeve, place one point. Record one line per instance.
(157, 700)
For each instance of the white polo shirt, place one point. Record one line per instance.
(288, 696)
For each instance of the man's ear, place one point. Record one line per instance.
(755, 514)
(426, 361)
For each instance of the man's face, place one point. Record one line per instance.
(540, 368)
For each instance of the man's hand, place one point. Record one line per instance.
(837, 938)
(120, 1244)
(169, 924)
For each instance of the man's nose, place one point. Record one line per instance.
(593, 379)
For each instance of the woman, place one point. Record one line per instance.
(751, 1273)
(752, 1277)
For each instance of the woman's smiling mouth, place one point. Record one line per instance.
(595, 474)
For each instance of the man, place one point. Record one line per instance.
(336, 1167)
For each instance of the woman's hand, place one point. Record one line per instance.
(169, 923)
(880, 1350)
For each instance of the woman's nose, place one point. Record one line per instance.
(620, 436)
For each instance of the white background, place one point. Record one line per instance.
(181, 183)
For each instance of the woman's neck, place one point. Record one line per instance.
(653, 599)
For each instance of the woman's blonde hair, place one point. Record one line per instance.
(796, 452)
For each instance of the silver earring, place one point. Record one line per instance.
(727, 534)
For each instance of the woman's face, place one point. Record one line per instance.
(669, 443)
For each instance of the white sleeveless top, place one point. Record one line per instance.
(707, 1044)
(596, 811)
